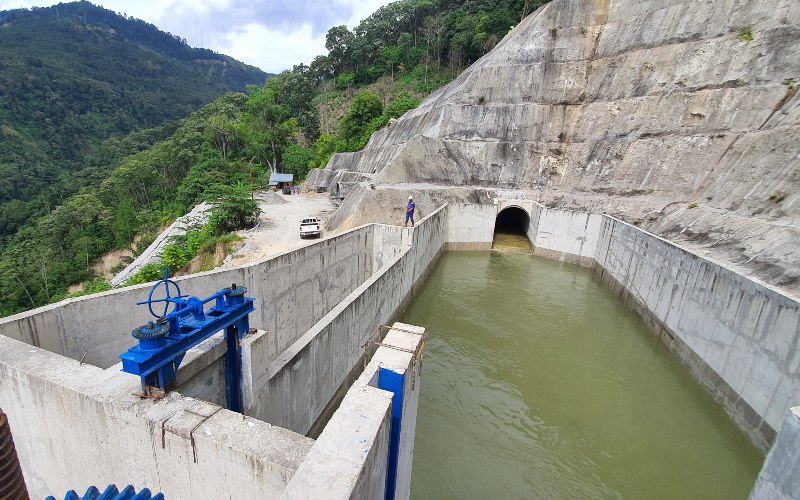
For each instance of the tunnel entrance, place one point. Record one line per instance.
(510, 231)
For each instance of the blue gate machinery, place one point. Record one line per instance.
(112, 493)
(164, 342)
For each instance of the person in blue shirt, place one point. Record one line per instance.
(410, 211)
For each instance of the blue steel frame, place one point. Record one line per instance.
(156, 360)
(393, 382)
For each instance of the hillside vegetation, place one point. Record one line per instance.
(75, 75)
(398, 55)
(294, 122)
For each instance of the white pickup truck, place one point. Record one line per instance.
(310, 227)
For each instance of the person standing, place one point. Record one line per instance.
(410, 211)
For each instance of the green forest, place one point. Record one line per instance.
(73, 76)
(123, 188)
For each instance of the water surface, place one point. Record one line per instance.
(538, 383)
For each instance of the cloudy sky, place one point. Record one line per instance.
(271, 34)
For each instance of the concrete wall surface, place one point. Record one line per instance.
(780, 476)
(738, 337)
(566, 235)
(350, 457)
(470, 226)
(294, 290)
(533, 226)
(293, 390)
(76, 425)
(388, 243)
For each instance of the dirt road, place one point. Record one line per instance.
(278, 228)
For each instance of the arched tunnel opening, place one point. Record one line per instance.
(511, 230)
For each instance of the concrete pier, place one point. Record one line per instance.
(780, 476)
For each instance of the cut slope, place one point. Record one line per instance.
(641, 109)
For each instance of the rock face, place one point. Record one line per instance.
(680, 116)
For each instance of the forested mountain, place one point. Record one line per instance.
(294, 122)
(74, 75)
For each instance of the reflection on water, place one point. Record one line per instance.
(537, 383)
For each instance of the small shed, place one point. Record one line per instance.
(280, 181)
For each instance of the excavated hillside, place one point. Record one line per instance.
(680, 116)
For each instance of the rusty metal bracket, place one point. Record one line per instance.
(416, 352)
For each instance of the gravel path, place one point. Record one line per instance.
(278, 228)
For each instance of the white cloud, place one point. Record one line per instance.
(272, 51)
(271, 34)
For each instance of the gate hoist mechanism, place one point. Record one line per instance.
(164, 342)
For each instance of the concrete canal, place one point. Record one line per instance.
(538, 383)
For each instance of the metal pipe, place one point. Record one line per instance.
(12, 483)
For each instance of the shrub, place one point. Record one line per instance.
(118, 267)
(747, 34)
(175, 256)
(149, 272)
(233, 209)
(692, 205)
(778, 196)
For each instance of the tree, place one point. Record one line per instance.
(400, 105)
(339, 41)
(366, 106)
(296, 160)
(267, 125)
(125, 223)
(233, 209)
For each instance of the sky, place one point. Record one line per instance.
(273, 35)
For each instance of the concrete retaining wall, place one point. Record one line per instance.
(736, 336)
(780, 477)
(294, 290)
(470, 227)
(565, 235)
(77, 425)
(293, 390)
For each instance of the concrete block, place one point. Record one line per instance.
(348, 460)
(780, 476)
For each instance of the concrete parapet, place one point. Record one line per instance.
(76, 425)
(350, 457)
(780, 476)
(294, 290)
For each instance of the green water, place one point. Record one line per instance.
(538, 383)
